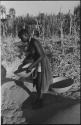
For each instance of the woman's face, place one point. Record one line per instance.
(24, 38)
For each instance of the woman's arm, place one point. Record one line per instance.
(25, 61)
(40, 52)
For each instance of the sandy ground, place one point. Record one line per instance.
(17, 106)
(55, 110)
(68, 116)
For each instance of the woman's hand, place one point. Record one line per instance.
(18, 70)
(29, 69)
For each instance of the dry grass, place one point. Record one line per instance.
(64, 61)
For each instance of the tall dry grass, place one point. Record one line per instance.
(64, 55)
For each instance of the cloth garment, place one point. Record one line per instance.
(43, 67)
(46, 75)
(39, 67)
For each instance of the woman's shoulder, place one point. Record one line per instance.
(34, 41)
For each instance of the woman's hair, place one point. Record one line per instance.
(23, 31)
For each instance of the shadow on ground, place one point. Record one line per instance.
(52, 104)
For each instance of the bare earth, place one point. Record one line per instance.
(17, 106)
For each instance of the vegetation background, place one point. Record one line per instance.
(59, 36)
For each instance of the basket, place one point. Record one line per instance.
(61, 84)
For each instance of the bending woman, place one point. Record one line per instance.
(42, 77)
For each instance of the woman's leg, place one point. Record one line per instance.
(38, 86)
(37, 82)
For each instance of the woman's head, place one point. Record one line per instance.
(24, 35)
(36, 33)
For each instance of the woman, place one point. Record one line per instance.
(42, 77)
